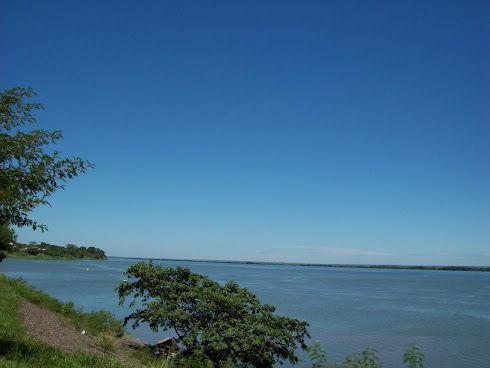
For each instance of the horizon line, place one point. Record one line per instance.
(339, 265)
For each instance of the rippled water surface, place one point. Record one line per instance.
(348, 309)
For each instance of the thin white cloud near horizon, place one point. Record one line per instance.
(337, 255)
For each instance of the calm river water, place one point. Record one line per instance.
(447, 314)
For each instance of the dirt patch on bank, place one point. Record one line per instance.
(53, 329)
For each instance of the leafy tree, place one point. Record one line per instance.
(33, 251)
(29, 172)
(226, 323)
(7, 236)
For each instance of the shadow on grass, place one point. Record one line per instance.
(18, 349)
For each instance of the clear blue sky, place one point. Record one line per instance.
(302, 131)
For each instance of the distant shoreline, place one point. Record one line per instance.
(387, 267)
(51, 258)
(46, 251)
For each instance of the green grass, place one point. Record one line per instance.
(94, 322)
(18, 350)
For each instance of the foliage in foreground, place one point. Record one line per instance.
(413, 356)
(7, 237)
(366, 359)
(29, 171)
(225, 323)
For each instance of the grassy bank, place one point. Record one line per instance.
(19, 350)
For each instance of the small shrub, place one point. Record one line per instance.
(366, 359)
(105, 343)
(162, 363)
(100, 321)
(33, 251)
(413, 356)
(317, 355)
(67, 308)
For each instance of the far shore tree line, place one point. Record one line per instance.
(69, 251)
